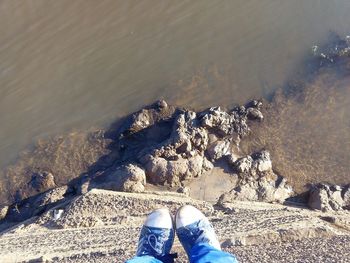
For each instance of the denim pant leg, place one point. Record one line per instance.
(204, 253)
(144, 259)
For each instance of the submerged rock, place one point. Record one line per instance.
(254, 114)
(42, 181)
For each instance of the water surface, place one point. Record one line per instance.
(76, 64)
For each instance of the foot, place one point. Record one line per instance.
(157, 234)
(192, 227)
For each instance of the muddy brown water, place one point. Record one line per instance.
(79, 64)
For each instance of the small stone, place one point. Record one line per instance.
(184, 190)
(57, 213)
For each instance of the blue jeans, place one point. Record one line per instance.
(200, 253)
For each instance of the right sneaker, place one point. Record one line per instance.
(157, 235)
(193, 227)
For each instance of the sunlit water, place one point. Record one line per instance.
(76, 64)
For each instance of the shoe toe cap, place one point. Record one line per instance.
(187, 215)
(160, 218)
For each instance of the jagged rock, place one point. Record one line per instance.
(326, 198)
(262, 161)
(178, 153)
(218, 119)
(251, 168)
(128, 178)
(42, 181)
(146, 118)
(219, 149)
(258, 182)
(3, 211)
(283, 191)
(346, 197)
(223, 123)
(141, 121)
(244, 165)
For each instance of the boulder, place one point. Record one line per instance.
(146, 118)
(128, 178)
(161, 171)
(135, 179)
(219, 149)
(258, 182)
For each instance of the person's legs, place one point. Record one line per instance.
(198, 237)
(156, 239)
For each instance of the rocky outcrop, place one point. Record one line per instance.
(161, 144)
(188, 143)
(258, 182)
(326, 197)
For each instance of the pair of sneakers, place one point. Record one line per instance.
(157, 234)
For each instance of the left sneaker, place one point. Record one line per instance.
(157, 235)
